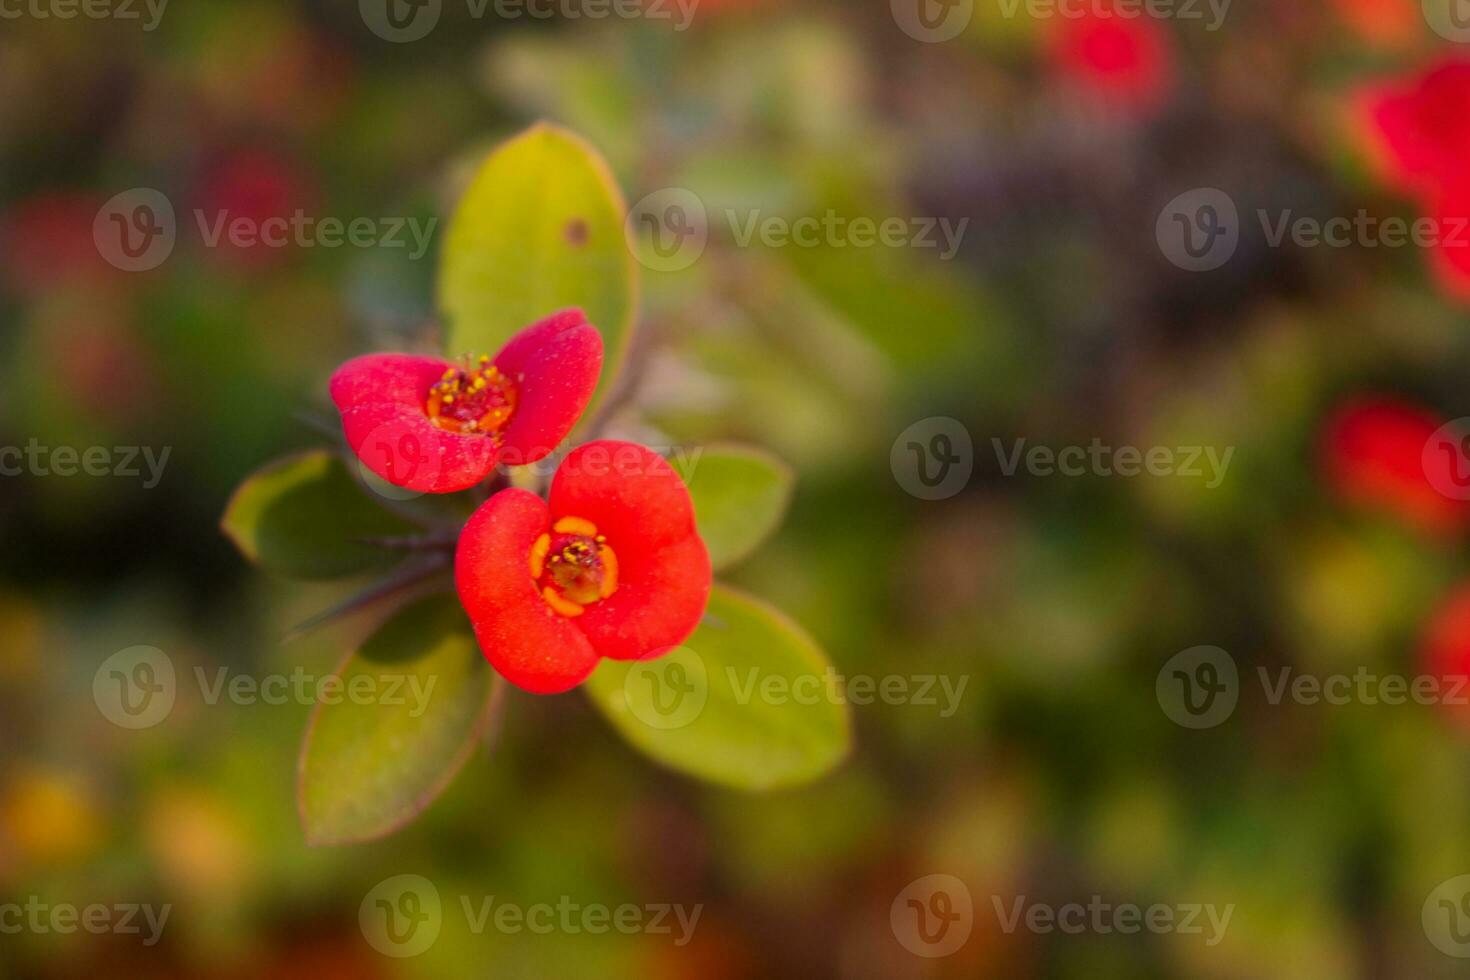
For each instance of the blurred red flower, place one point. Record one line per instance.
(1123, 59)
(1418, 128)
(241, 203)
(1445, 647)
(47, 241)
(1417, 135)
(1377, 453)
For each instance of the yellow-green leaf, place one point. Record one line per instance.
(746, 701)
(539, 229)
(740, 495)
(412, 703)
(306, 517)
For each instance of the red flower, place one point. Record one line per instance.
(1445, 648)
(1378, 452)
(428, 425)
(261, 190)
(610, 566)
(46, 240)
(1450, 255)
(1124, 59)
(1418, 136)
(1419, 128)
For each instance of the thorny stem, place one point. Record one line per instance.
(416, 542)
(403, 579)
(623, 393)
(495, 715)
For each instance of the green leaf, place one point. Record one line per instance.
(374, 759)
(540, 229)
(740, 495)
(745, 702)
(305, 516)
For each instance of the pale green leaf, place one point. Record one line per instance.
(413, 701)
(539, 229)
(745, 702)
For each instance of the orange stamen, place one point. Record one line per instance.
(609, 571)
(575, 525)
(564, 606)
(476, 400)
(538, 555)
(573, 565)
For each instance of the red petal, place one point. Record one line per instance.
(1451, 254)
(1422, 126)
(1373, 453)
(529, 644)
(1122, 60)
(555, 364)
(637, 500)
(381, 398)
(1445, 649)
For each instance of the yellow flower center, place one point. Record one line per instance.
(573, 566)
(473, 400)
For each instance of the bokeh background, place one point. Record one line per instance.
(1061, 319)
